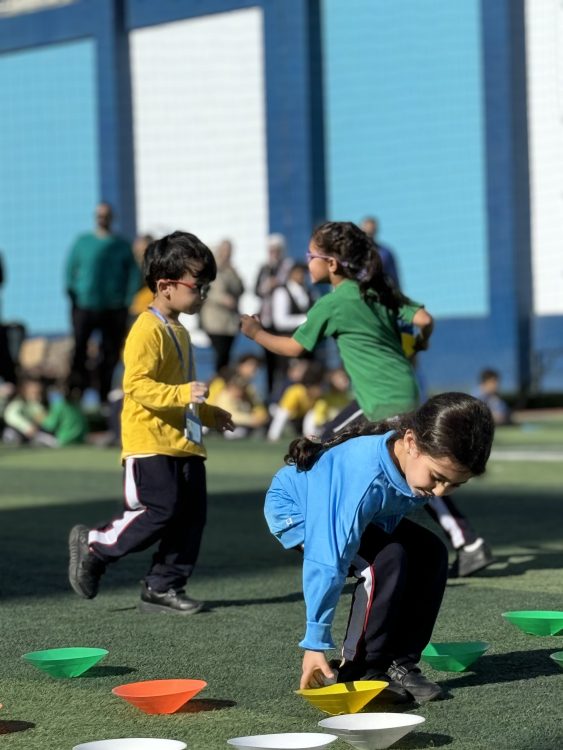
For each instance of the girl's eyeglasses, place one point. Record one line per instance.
(202, 289)
(310, 256)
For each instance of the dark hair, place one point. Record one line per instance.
(452, 425)
(488, 375)
(358, 258)
(176, 254)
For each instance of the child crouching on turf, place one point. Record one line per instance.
(343, 504)
(161, 424)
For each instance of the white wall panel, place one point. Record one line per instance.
(200, 134)
(544, 43)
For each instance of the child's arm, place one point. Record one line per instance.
(286, 346)
(425, 322)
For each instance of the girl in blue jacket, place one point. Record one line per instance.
(343, 504)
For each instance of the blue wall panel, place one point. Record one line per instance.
(405, 139)
(49, 175)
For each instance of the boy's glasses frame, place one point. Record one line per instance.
(202, 289)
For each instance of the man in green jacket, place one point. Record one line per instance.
(101, 280)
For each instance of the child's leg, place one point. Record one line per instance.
(427, 565)
(151, 497)
(178, 550)
(380, 567)
(473, 553)
(348, 417)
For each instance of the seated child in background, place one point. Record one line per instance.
(488, 392)
(25, 413)
(65, 420)
(247, 366)
(297, 400)
(239, 398)
(335, 398)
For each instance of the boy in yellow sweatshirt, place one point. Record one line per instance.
(163, 454)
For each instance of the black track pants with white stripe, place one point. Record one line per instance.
(401, 578)
(165, 502)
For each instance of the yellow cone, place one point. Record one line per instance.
(344, 697)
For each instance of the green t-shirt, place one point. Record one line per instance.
(369, 343)
(67, 422)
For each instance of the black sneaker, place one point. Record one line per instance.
(415, 683)
(350, 671)
(471, 558)
(167, 602)
(394, 693)
(84, 568)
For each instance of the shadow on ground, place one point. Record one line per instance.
(514, 666)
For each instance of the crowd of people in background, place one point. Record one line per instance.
(269, 394)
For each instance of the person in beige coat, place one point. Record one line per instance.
(220, 315)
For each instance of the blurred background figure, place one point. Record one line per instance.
(297, 399)
(101, 279)
(7, 367)
(248, 412)
(144, 296)
(370, 225)
(487, 391)
(25, 413)
(271, 275)
(290, 303)
(335, 397)
(220, 315)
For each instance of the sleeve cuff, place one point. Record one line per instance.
(317, 637)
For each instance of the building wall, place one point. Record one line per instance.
(405, 135)
(49, 174)
(199, 130)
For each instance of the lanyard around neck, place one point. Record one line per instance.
(189, 369)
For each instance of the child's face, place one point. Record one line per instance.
(318, 265)
(187, 294)
(431, 476)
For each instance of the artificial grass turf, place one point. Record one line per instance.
(246, 647)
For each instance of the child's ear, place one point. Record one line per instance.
(410, 444)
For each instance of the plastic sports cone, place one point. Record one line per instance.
(344, 697)
(65, 662)
(537, 622)
(454, 656)
(159, 696)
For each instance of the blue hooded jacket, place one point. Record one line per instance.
(327, 509)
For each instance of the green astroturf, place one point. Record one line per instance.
(246, 646)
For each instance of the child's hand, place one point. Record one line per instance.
(223, 420)
(316, 671)
(250, 325)
(199, 392)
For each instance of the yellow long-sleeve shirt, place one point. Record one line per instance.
(156, 392)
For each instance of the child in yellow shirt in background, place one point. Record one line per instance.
(239, 398)
(297, 400)
(161, 429)
(335, 398)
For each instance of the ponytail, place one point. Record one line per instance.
(304, 452)
(451, 425)
(359, 260)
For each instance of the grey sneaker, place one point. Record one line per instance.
(84, 568)
(415, 683)
(170, 602)
(471, 558)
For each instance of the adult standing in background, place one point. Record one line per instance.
(370, 226)
(220, 315)
(272, 274)
(101, 279)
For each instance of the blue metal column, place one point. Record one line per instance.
(115, 121)
(294, 105)
(508, 197)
